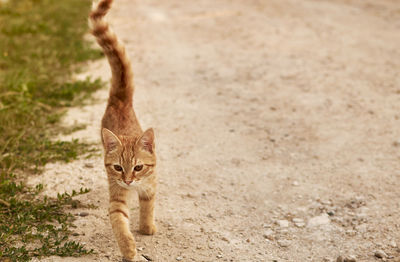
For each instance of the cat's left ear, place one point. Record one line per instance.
(146, 141)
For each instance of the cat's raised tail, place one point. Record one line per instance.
(122, 76)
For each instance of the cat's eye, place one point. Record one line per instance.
(118, 168)
(138, 167)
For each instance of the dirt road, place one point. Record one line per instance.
(278, 130)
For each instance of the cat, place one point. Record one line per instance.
(129, 153)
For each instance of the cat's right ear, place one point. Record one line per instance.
(111, 141)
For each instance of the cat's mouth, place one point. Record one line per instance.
(132, 185)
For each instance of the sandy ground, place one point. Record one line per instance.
(277, 127)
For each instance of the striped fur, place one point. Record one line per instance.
(125, 144)
(122, 76)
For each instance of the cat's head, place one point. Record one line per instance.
(129, 160)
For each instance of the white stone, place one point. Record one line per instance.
(393, 244)
(284, 243)
(319, 221)
(298, 222)
(269, 234)
(282, 223)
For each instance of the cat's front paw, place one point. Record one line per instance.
(148, 229)
(129, 256)
(128, 249)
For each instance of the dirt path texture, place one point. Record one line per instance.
(277, 125)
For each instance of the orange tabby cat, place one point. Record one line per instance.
(129, 152)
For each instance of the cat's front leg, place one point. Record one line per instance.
(146, 202)
(119, 216)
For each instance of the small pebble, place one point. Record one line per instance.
(319, 221)
(298, 222)
(83, 214)
(284, 243)
(89, 165)
(179, 258)
(350, 258)
(282, 223)
(147, 257)
(219, 256)
(380, 254)
(225, 239)
(268, 234)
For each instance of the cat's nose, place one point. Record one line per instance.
(128, 182)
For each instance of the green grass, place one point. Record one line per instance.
(27, 219)
(41, 46)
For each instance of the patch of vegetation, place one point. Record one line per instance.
(41, 45)
(27, 219)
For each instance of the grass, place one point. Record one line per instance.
(27, 218)
(41, 47)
